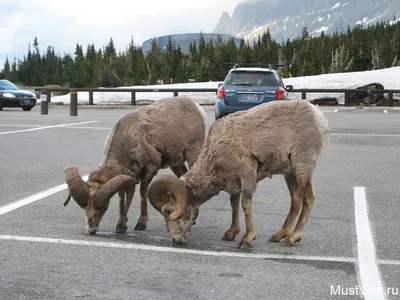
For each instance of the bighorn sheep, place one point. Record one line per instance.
(241, 149)
(164, 134)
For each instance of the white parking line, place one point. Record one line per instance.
(366, 134)
(68, 127)
(135, 246)
(366, 261)
(20, 125)
(22, 202)
(368, 270)
(46, 127)
(88, 127)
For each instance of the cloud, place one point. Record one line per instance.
(65, 24)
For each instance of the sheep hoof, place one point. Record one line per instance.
(244, 245)
(121, 228)
(277, 237)
(290, 243)
(273, 240)
(228, 238)
(230, 234)
(140, 226)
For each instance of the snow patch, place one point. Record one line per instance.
(387, 77)
(323, 28)
(392, 22)
(362, 21)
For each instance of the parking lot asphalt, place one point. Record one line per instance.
(346, 246)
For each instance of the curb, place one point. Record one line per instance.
(104, 106)
(211, 105)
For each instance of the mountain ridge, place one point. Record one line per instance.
(285, 19)
(184, 40)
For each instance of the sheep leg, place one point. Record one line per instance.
(124, 204)
(308, 201)
(291, 183)
(250, 235)
(192, 154)
(179, 170)
(141, 223)
(194, 214)
(231, 233)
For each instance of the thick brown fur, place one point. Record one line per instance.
(243, 148)
(165, 134)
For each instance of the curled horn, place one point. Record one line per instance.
(76, 186)
(104, 194)
(168, 195)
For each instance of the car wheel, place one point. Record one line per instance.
(27, 108)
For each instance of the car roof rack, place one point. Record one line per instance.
(238, 65)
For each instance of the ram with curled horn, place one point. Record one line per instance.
(241, 149)
(168, 133)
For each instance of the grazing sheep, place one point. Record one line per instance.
(167, 133)
(241, 149)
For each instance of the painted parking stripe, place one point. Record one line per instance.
(366, 134)
(367, 266)
(46, 127)
(88, 127)
(143, 247)
(25, 201)
(20, 125)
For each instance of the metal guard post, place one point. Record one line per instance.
(73, 106)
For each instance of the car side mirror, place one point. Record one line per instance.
(289, 87)
(219, 84)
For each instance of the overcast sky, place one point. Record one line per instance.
(63, 24)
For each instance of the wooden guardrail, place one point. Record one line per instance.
(133, 92)
(74, 93)
(348, 92)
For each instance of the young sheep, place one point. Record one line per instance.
(241, 149)
(167, 133)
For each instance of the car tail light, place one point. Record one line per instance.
(280, 93)
(221, 92)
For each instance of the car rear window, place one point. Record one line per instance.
(251, 78)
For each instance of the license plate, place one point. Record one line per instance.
(250, 97)
(27, 101)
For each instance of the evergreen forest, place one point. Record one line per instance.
(357, 49)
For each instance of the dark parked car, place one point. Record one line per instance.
(247, 86)
(12, 96)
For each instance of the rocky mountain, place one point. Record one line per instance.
(184, 40)
(286, 18)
